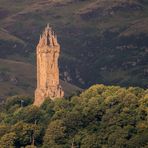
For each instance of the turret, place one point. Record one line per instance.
(48, 37)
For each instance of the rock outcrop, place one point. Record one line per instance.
(48, 85)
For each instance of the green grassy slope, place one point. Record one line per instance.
(102, 41)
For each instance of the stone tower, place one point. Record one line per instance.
(48, 84)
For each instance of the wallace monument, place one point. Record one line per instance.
(48, 84)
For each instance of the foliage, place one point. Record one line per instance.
(101, 116)
(15, 102)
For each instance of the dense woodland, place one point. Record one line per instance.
(100, 117)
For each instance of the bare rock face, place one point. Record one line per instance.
(48, 85)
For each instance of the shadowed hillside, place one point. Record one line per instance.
(102, 41)
(19, 78)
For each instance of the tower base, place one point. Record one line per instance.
(42, 94)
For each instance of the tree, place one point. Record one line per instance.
(12, 103)
(29, 114)
(26, 133)
(55, 134)
(8, 140)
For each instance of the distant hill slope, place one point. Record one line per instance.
(103, 41)
(19, 78)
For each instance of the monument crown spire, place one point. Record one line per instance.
(48, 37)
(48, 50)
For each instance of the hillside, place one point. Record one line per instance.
(103, 41)
(19, 78)
(101, 116)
